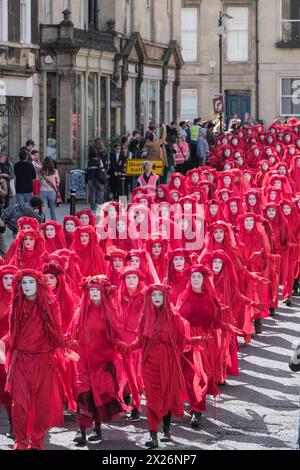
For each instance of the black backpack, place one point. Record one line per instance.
(11, 215)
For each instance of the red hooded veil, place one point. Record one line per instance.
(91, 259)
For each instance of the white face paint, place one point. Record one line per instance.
(224, 141)
(217, 265)
(156, 249)
(287, 138)
(277, 184)
(51, 281)
(247, 177)
(183, 224)
(140, 217)
(187, 207)
(269, 151)
(265, 166)
(29, 286)
(112, 213)
(197, 195)
(118, 264)
(249, 223)
(256, 152)
(287, 209)
(121, 226)
(144, 202)
(225, 196)
(227, 167)
(273, 196)
(240, 161)
(234, 141)
(157, 298)
(233, 207)
(282, 170)
(50, 231)
(177, 182)
(227, 181)
(95, 295)
(135, 262)
(29, 243)
(70, 226)
(195, 178)
(271, 213)
(164, 211)
(84, 219)
(278, 148)
(175, 197)
(219, 235)
(252, 200)
(292, 151)
(298, 162)
(179, 263)
(197, 281)
(160, 193)
(26, 228)
(84, 239)
(7, 282)
(131, 281)
(227, 153)
(213, 209)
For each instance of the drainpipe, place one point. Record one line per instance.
(257, 61)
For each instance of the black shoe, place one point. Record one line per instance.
(166, 436)
(222, 384)
(95, 436)
(153, 443)
(258, 326)
(135, 416)
(196, 419)
(272, 312)
(296, 287)
(80, 438)
(127, 400)
(288, 303)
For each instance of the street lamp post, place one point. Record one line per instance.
(221, 31)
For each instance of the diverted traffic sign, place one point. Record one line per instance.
(135, 167)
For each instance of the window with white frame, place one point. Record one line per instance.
(3, 21)
(128, 17)
(189, 34)
(48, 12)
(290, 20)
(238, 34)
(84, 14)
(25, 21)
(189, 104)
(290, 97)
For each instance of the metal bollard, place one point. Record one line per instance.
(73, 194)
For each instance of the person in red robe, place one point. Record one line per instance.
(54, 236)
(294, 174)
(253, 201)
(70, 224)
(30, 247)
(53, 269)
(138, 259)
(97, 331)
(131, 302)
(25, 224)
(233, 209)
(6, 278)
(86, 217)
(178, 183)
(118, 235)
(72, 271)
(162, 338)
(91, 258)
(34, 336)
(178, 272)
(158, 247)
(291, 214)
(117, 261)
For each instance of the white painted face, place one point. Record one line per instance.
(273, 196)
(135, 262)
(213, 209)
(177, 182)
(269, 151)
(197, 281)
(70, 226)
(234, 141)
(272, 130)
(51, 281)
(160, 193)
(298, 162)
(179, 263)
(140, 217)
(29, 286)
(165, 212)
(175, 197)
(233, 207)
(256, 152)
(227, 180)
(26, 228)
(282, 170)
(29, 243)
(131, 281)
(247, 177)
(84, 219)
(156, 249)
(277, 184)
(217, 265)
(249, 223)
(298, 142)
(270, 140)
(121, 226)
(227, 167)
(225, 196)
(187, 207)
(271, 213)
(252, 200)
(183, 224)
(227, 153)
(224, 141)
(265, 166)
(287, 209)
(50, 231)
(157, 298)
(84, 239)
(95, 295)
(287, 138)
(118, 264)
(197, 195)
(144, 202)
(7, 282)
(112, 213)
(240, 161)
(219, 235)
(292, 151)
(278, 148)
(195, 178)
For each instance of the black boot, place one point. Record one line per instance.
(96, 434)
(196, 419)
(272, 312)
(166, 436)
(296, 287)
(258, 326)
(135, 416)
(153, 443)
(10, 433)
(80, 437)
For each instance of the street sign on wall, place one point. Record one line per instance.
(135, 167)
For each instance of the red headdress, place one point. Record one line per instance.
(112, 274)
(68, 235)
(209, 218)
(294, 174)
(231, 217)
(92, 218)
(147, 197)
(144, 266)
(91, 258)
(160, 263)
(33, 223)
(56, 243)
(166, 197)
(25, 259)
(138, 190)
(182, 188)
(73, 274)
(257, 208)
(5, 296)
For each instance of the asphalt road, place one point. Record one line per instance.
(257, 410)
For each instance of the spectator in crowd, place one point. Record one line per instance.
(148, 180)
(6, 172)
(234, 120)
(210, 136)
(194, 138)
(182, 130)
(36, 161)
(117, 171)
(34, 210)
(50, 182)
(25, 174)
(202, 147)
(156, 150)
(128, 179)
(181, 155)
(28, 147)
(136, 145)
(3, 194)
(96, 176)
